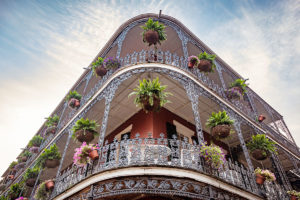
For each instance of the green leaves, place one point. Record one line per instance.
(147, 90)
(260, 141)
(52, 121)
(219, 119)
(155, 26)
(41, 192)
(31, 173)
(36, 141)
(209, 57)
(13, 164)
(49, 154)
(98, 62)
(239, 83)
(86, 125)
(73, 95)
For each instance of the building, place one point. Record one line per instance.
(139, 157)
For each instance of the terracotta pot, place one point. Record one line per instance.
(10, 177)
(94, 155)
(52, 163)
(23, 158)
(260, 179)
(74, 103)
(258, 154)
(151, 37)
(205, 65)
(234, 93)
(34, 149)
(146, 105)
(261, 118)
(221, 131)
(100, 70)
(51, 130)
(49, 184)
(30, 182)
(293, 197)
(86, 136)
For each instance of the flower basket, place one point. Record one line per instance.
(100, 70)
(205, 65)
(34, 149)
(151, 37)
(85, 154)
(221, 131)
(74, 103)
(84, 136)
(260, 179)
(51, 163)
(49, 184)
(234, 93)
(30, 182)
(258, 154)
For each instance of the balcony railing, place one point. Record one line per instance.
(164, 153)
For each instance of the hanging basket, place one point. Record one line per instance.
(260, 179)
(30, 182)
(258, 154)
(94, 154)
(151, 37)
(49, 184)
(221, 131)
(23, 158)
(74, 103)
(235, 93)
(148, 107)
(101, 70)
(205, 65)
(52, 163)
(34, 149)
(20, 165)
(51, 130)
(84, 136)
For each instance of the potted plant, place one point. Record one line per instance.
(260, 146)
(85, 154)
(111, 63)
(50, 157)
(294, 194)
(150, 95)
(49, 184)
(213, 154)
(237, 89)
(15, 190)
(51, 123)
(263, 175)
(12, 167)
(261, 118)
(73, 99)
(30, 176)
(42, 193)
(220, 124)
(193, 61)
(98, 68)
(153, 33)
(35, 143)
(206, 62)
(84, 130)
(25, 155)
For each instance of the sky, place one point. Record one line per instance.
(44, 46)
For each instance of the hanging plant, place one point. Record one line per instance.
(237, 89)
(153, 33)
(51, 123)
(150, 95)
(98, 68)
(85, 130)
(193, 61)
(85, 154)
(25, 155)
(294, 194)
(42, 193)
(13, 164)
(15, 190)
(73, 99)
(50, 157)
(261, 147)
(206, 62)
(213, 154)
(263, 175)
(30, 176)
(111, 63)
(220, 124)
(35, 143)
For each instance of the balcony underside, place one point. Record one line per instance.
(162, 182)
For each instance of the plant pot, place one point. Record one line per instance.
(221, 131)
(94, 154)
(260, 179)
(293, 197)
(86, 136)
(30, 182)
(151, 37)
(74, 103)
(23, 158)
(147, 106)
(100, 70)
(258, 154)
(234, 93)
(20, 165)
(11, 177)
(51, 163)
(205, 65)
(261, 118)
(34, 149)
(51, 130)
(49, 184)
(192, 63)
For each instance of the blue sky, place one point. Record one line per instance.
(44, 46)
